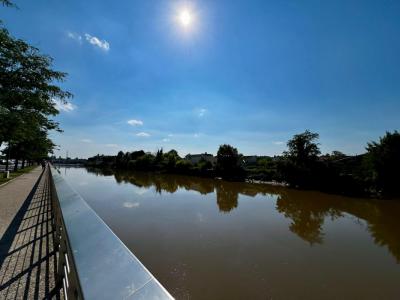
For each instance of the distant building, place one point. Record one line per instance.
(250, 159)
(195, 158)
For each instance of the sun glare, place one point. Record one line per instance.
(185, 18)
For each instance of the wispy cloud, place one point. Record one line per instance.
(134, 122)
(196, 135)
(165, 140)
(93, 40)
(86, 140)
(61, 106)
(143, 134)
(74, 36)
(201, 112)
(102, 44)
(111, 145)
(278, 143)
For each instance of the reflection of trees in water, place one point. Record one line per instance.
(307, 210)
(227, 196)
(307, 214)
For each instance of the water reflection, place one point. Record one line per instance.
(227, 192)
(307, 211)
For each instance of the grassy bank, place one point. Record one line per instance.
(16, 174)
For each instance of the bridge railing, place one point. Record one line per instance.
(93, 263)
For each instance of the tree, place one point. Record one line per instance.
(145, 162)
(28, 91)
(159, 156)
(183, 166)
(302, 148)
(7, 3)
(383, 160)
(300, 167)
(171, 157)
(119, 160)
(228, 162)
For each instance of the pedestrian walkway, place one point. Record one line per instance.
(27, 256)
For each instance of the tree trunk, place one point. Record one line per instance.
(8, 156)
(23, 164)
(16, 165)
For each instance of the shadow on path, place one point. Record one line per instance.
(27, 257)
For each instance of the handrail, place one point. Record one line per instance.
(93, 263)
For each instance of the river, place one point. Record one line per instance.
(211, 239)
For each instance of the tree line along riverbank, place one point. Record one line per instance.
(374, 173)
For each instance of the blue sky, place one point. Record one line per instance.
(248, 73)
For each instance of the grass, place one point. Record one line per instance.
(16, 174)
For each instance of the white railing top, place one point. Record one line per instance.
(105, 267)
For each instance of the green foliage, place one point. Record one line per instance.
(159, 156)
(27, 96)
(183, 166)
(228, 162)
(171, 158)
(383, 163)
(300, 164)
(145, 162)
(28, 89)
(7, 3)
(204, 165)
(302, 148)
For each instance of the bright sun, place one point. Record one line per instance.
(185, 18)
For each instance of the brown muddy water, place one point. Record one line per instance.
(210, 239)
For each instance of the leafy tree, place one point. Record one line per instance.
(136, 154)
(145, 162)
(183, 166)
(7, 3)
(383, 159)
(159, 156)
(300, 166)
(28, 90)
(119, 160)
(204, 165)
(171, 157)
(228, 162)
(302, 148)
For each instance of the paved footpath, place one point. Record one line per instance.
(27, 256)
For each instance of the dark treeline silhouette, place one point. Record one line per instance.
(301, 166)
(306, 210)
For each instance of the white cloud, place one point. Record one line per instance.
(131, 204)
(61, 106)
(86, 140)
(143, 134)
(201, 112)
(74, 36)
(196, 135)
(278, 143)
(170, 135)
(134, 122)
(102, 44)
(165, 140)
(95, 41)
(111, 145)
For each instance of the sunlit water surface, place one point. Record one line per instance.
(210, 239)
